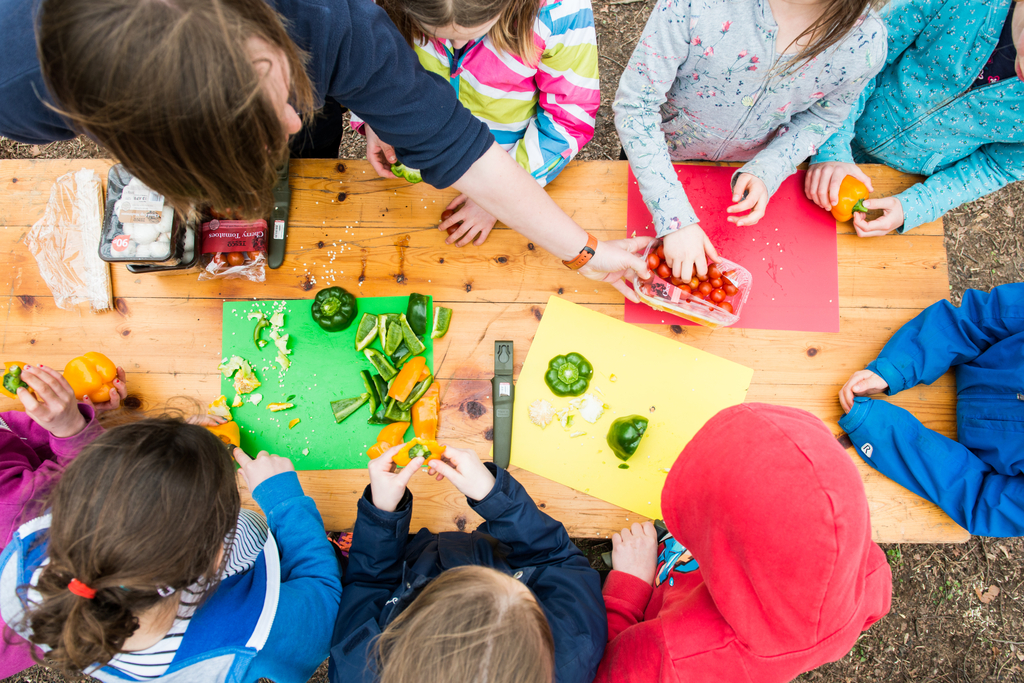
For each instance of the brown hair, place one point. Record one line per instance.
(170, 89)
(468, 624)
(838, 19)
(512, 34)
(146, 506)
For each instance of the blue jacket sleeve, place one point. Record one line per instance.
(566, 587)
(942, 336)
(310, 583)
(936, 468)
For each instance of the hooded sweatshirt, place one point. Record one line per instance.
(774, 512)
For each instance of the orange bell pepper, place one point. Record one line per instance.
(227, 432)
(852, 194)
(12, 379)
(424, 374)
(425, 413)
(91, 374)
(406, 380)
(416, 447)
(389, 436)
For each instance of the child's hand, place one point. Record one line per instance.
(386, 485)
(379, 153)
(686, 248)
(821, 184)
(475, 221)
(861, 383)
(635, 551)
(464, 469)
(117, 394)
(892, 217)
(265, 466)
(750, 194)
(56, 410)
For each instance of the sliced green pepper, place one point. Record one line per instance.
(334, 309)
(624, 435)
(378, 416)
(418, 313)
(395, 413)
(380, 361)
(417, 393)
(344, 407)
(371, 389)
(411, 174)
(568, 375)
(261, 325)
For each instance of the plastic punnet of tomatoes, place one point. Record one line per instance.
(234, 249)
(713, 301)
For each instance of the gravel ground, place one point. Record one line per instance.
(958, 610)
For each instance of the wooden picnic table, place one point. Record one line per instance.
(377, 237)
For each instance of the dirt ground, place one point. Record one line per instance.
(958, 610)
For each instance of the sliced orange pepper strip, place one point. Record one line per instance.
(426, 412)
(227, 432)
(406, 380)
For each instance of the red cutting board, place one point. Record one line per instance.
(791, 253)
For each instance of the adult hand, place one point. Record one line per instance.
(861, 383)
(386, 485)
(379, 153)
(635, 551)
(265, 466)
(749, 194)
(618, 259)
(821, 184)
(117, 394)
(689, 247)
(892, 217)
(463, 469)
(475, 222)
(56, 409)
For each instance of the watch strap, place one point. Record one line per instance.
(586, 253)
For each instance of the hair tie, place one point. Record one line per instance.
(81, 590)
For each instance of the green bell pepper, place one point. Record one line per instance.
(418, 313)
(411, 174)
(334, 309)
(624, 435)
(568, 375)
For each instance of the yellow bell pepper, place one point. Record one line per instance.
(12, 379)
(852, 194)
(416, 447)
(91, 374)
(227, 432)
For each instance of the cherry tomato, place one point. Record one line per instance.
(218, 259)
(653, 261)
(717, 295)
(730, 289)
(705, 288)
(664, 272)
(685, 289)
(702, 278)
(714, 272)
(694, 284)
(676, 281)
(235, 258)
(661, 251)
(645, 289)
(716, 282)
(726, 306)
(446, 214)
(726, 280)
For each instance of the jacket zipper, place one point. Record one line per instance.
(452, 78)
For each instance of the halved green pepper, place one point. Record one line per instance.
(334, 309)
(568, 375)
(624, 435)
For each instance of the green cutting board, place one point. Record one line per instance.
(325, 367)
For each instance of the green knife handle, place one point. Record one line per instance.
(278, 223)
(502, 394)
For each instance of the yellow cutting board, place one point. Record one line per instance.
(676, 387)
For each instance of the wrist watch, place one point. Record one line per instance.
(586, 253)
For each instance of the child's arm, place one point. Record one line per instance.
(942, 336)
(647, 79)
(569, 93)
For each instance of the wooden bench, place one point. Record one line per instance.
(166, 330)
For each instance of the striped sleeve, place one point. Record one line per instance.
(569, 91)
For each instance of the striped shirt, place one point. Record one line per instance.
(541, 115)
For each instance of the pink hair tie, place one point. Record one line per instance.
(81, 590)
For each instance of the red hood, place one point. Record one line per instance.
(774, 511)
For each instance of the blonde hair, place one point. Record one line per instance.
(512, 34)
(470, 624)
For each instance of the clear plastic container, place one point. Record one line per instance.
(662, 295)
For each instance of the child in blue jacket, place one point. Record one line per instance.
(145, 568)
(513, 600)
(977, 480)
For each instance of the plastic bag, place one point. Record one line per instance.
(65, 242)
(234, 249)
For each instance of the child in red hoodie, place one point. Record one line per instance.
(773, 511)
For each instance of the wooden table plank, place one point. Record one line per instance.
(166, 329)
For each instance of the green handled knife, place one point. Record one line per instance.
(279, 219)
(502, 393)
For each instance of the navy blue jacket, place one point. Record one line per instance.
(357, 57)
(977, 480)
(388, 567)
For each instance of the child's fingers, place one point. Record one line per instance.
(616, 540)
(445, 470)
(860, 175)
(46, 388)
(741, 187)
(403, 477)
(472, 232)
(28, 400)
(385, 461)
(459, 232)
(461, 199)
(710, 251)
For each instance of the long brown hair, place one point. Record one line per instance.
(468, 624)
(838, 19)
(170, 89)
(146, 506)
(512, 34)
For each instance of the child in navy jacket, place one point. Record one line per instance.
(391, 585)
(978, 480)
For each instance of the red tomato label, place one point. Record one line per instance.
(229, 236)
(119, 243)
